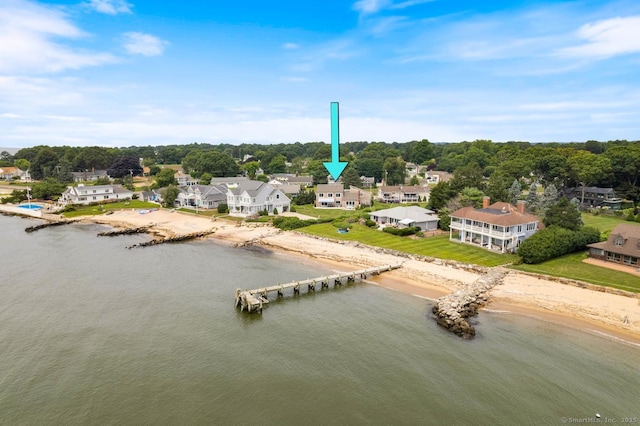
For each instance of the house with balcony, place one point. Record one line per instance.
(94, 194)
(403, 217)
(202, 196)
(498, 226)
(333, 195)
(403, 194)
(251, 197)
(595, 196)
(622, 246)
(90, 175)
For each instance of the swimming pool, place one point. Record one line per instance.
(32, 206)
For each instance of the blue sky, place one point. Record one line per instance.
(122, 73)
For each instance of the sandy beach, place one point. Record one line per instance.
(520, 293)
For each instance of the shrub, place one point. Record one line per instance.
(370, 223)
(555, 242)
(289, 223)
(292, 209)
(264, 212)
(275, 211)
(402, 232)
(223, 208)
(341, 225)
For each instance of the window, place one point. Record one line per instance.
(597, 252)
(618, 241)
(531, 226)
(519, 228)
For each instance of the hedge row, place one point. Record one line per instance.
(403, 232)
(555, 242)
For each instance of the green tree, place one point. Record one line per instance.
(469, 176)
(169, 195)
(350, 176)
(22, 164)
(214, 162)
(48, 189)
(549, 197)
(533, 201)
(588, 168)
(498, 187)
(251, 168)
(440, 195)
(563, 214)
(422, 152)
(514, 192)
(471, 197)
(277, 165)
(126, 165)
(395, 171)
(318, 171)
(165, 178)
(414, 180)
(205, 178)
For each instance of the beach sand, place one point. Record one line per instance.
(521, 294)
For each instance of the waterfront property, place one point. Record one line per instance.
(293, 179)
(251, 197)
(499, 226)
(622, 246)
(333, 195)
(82, 194)
(13, 173)
(202, 196)
(403, 217)
(403, 194)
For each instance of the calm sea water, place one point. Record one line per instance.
(93, 333)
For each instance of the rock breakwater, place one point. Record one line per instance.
(453, 310)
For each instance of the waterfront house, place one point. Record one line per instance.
(13, 173)
(185, 179)
(403, 193)
(622, 246)
(499, 226)
(202, 196)
(403, 217)
(251, 197)
(333, 195)
(82, 194)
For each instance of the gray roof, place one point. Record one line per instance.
(415, 213)
(253, 187)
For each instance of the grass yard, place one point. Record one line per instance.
(309, 210)
(438, 246)
(604, 223)
(571, 266)
(103, 208)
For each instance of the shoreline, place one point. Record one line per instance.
(613, 316)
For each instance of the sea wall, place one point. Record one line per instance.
(451, 311)
(5, 208)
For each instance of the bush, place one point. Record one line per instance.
(555, 242)
(370, 223)
(264, 212)
(223, 208)
(275, 211)
(289, 223)
(292, 209)
(341, 225)
(402, 232)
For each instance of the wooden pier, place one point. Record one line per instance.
(254, 300)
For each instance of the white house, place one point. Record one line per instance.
(11, 173)
(499, 226)
(94, 194)
(403, 194)
(403, 217)
(202, 196)
(88, 176)
(251, 197)
(333, 195)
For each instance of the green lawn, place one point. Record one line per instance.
(604, 223)
(309, 210)
(571, 266)
(103, 208)
(438, 246)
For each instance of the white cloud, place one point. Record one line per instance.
(369, 6)
(110, 7)
(606, 38)
(143, 44)
(30, 40)
(291, 46)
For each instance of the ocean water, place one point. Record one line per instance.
(94, 333)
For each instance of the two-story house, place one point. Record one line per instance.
(333, 195)
(595, 196)
(202, 196)
(251, 197)
(94, 194)
(499, 226)
(90, 175)
(403, 194)
(622, 246)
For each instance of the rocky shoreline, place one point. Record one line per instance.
(453, 310)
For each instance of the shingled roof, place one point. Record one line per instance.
(627, 236)
(500, 213)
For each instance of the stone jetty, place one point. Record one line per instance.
(125, 231)
(451, 311)
(50, 223)
(175, 239)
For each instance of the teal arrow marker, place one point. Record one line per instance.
(335, 167)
